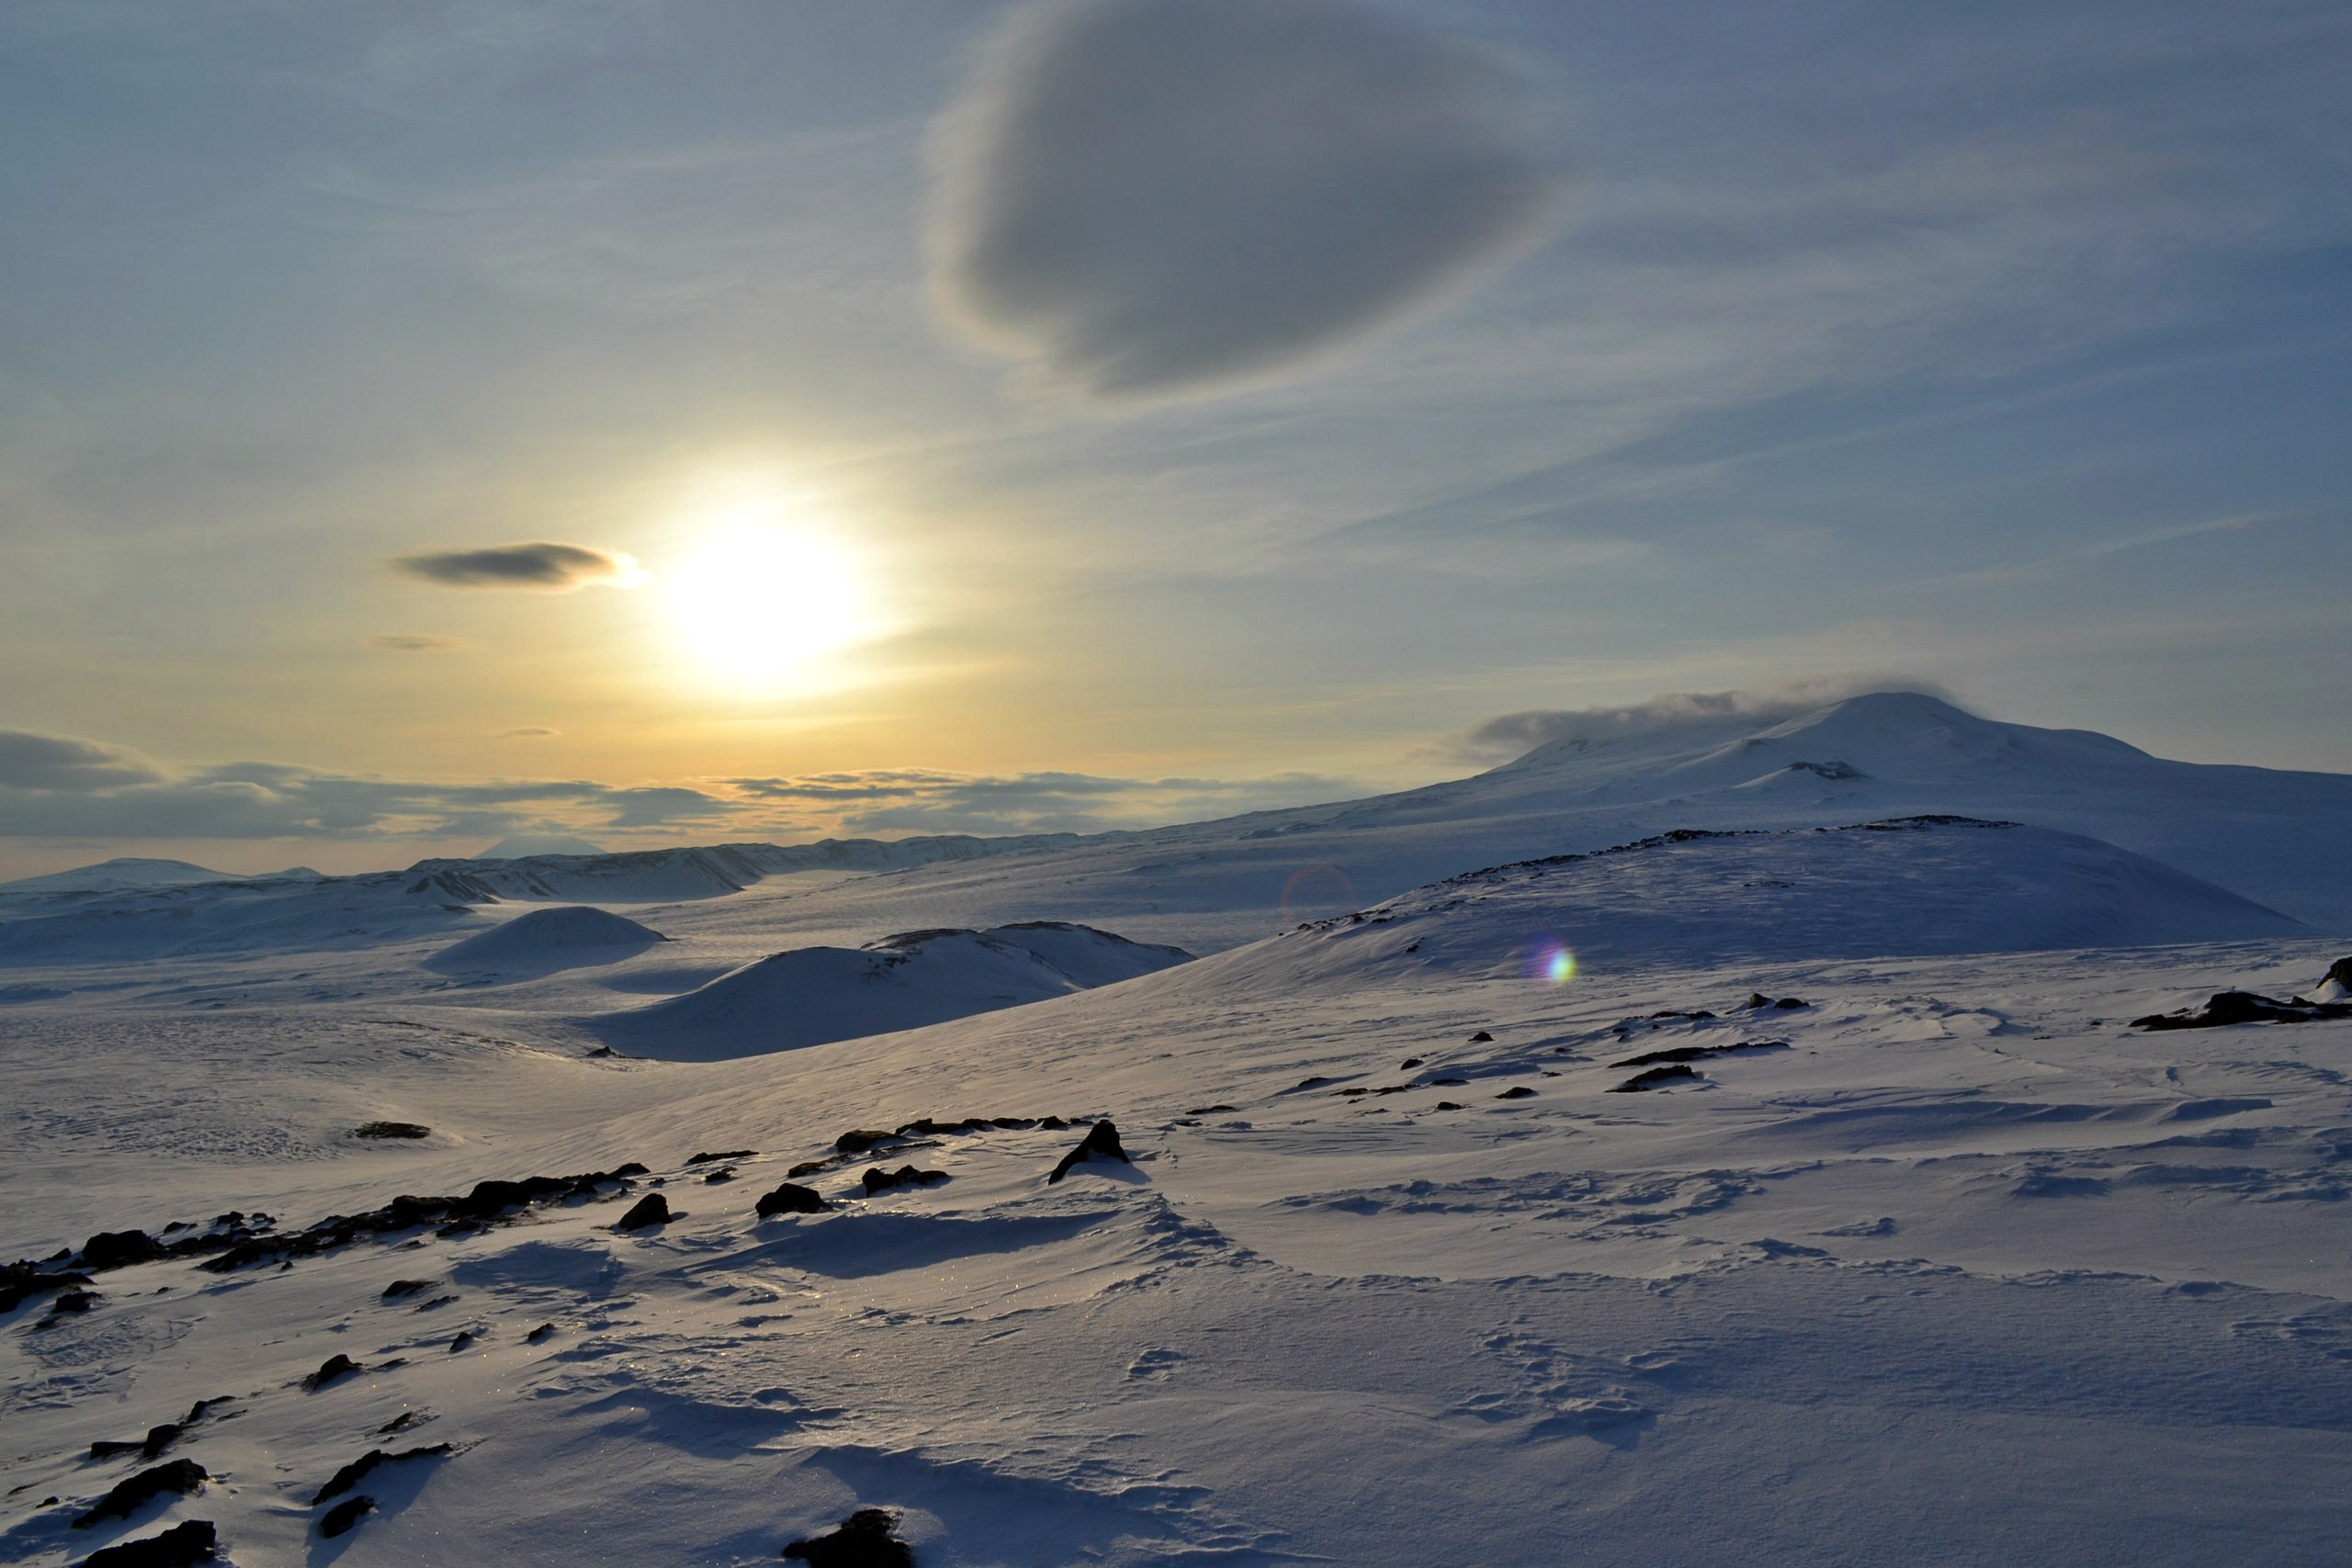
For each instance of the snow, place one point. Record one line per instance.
(812, 995)
(549, 938)
(1971, 1270)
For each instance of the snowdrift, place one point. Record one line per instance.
(545, 940)
(812, 995)
(1911, 887)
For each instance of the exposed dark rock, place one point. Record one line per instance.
(436, 1304)
(1101, 1141)
(2338, 972)
(544, 1332)
(2227, 1008)
(807, 1168)
(1208, 1109)
(650, 1209)
(723, 1154)
(1013, 1123)
(1318, 1081)
(71, 1303)
(1352, 1093)
(1482, 1038)
(878, 1180)
(1052, 1124)
(862, 1140)
(343, 1515)
(1408, 1064)
(352, 1474)
(1758, 1002)
(862, 1540)
(1517, 1091)
(1700, 1053)
(1654, 1077)
(724, 1173)
(204, 1407)
(120, 1249)
(791, 1198)
(391, 1130)
(1446, 1083)
(488, 1202)
(400, 1287)
(1446, 1105)
(1699, 1015)
(334, 1367)
(191, 1540)
(402, 1422)
(178, 1478)
(157, 1441)
(464, 1341)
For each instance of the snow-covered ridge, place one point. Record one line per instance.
(1911, 886)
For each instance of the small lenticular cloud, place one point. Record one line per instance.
(403, 642)
(526, 732)
(1159, 199)
(539, 564)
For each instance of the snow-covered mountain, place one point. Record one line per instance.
(128, 873)
(521, 846)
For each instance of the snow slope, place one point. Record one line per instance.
(1905, 887)
(1969, 1273)
(812, 995)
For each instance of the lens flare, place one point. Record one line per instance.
(1551, 962)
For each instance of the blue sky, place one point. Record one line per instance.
(1556, 357)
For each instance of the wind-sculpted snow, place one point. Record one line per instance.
(1959, 1223)
(812, 995)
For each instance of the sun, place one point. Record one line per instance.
(758, 601)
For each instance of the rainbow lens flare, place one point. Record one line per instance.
(1552, 963)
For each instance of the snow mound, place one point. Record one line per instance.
(812, 995)
(551, 939)
(1913, 887)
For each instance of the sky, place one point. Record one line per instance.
(746, 419)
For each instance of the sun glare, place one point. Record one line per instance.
(759, 601)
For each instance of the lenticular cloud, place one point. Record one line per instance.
(1156, 198)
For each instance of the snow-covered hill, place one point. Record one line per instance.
(540, 940)
(812, 995)
(1909, 886)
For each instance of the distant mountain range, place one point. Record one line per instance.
(2269, 836)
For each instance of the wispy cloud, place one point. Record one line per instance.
(541, 565)
(406, 642)
(526, 732)
(1515, 733)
